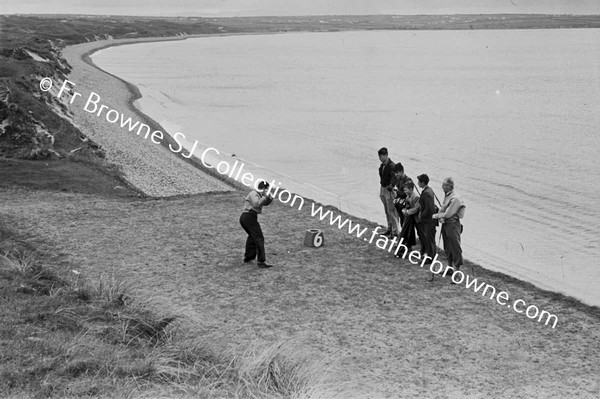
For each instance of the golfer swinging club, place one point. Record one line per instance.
(255, 243)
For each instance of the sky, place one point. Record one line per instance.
(228, 8)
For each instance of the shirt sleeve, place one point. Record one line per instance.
(452, 209)
(254, 199)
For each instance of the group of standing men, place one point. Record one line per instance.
(410, 213)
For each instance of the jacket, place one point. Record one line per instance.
(385, 173)
(427, 205)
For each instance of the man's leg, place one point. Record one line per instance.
(401, 217)
(393, 215)
(404, 236)
(259, 240)
(411, 237)
(250, 253)
(432, 229)
(257, 235)
(422, 239)
(250, 249)
(382, 192)
(447, 247)
(454, 241)
(428, 230)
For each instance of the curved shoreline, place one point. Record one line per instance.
(144, 164)
(135, 94)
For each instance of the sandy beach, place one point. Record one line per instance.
(387, 330)
(149, 167)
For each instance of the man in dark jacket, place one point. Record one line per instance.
(427, 225)
(385, 192)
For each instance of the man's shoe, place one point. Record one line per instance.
(454, 271)
(246, 260)
(263, 265)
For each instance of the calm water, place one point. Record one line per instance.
(513, 116)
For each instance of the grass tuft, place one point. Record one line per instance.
(286, 371)
(109, 288)
(25, 265)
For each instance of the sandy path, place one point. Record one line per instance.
(389, 331)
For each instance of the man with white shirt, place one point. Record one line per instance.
(450, 213)
(255, 243)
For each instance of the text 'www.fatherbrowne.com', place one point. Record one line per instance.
(93, 105)
(436, 267)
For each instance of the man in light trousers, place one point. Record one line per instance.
(386, 194)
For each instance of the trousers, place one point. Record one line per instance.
(409, 228)
(390, 210)
(427, 237)
(451, 235)
(255, 243)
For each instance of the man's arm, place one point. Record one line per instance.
(257, 200)
(254, 199)
(266, 200)
(452, 209)
(394, 185)
(389, 175)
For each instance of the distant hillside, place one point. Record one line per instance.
(34, 125)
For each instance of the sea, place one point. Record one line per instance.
(512, 115)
